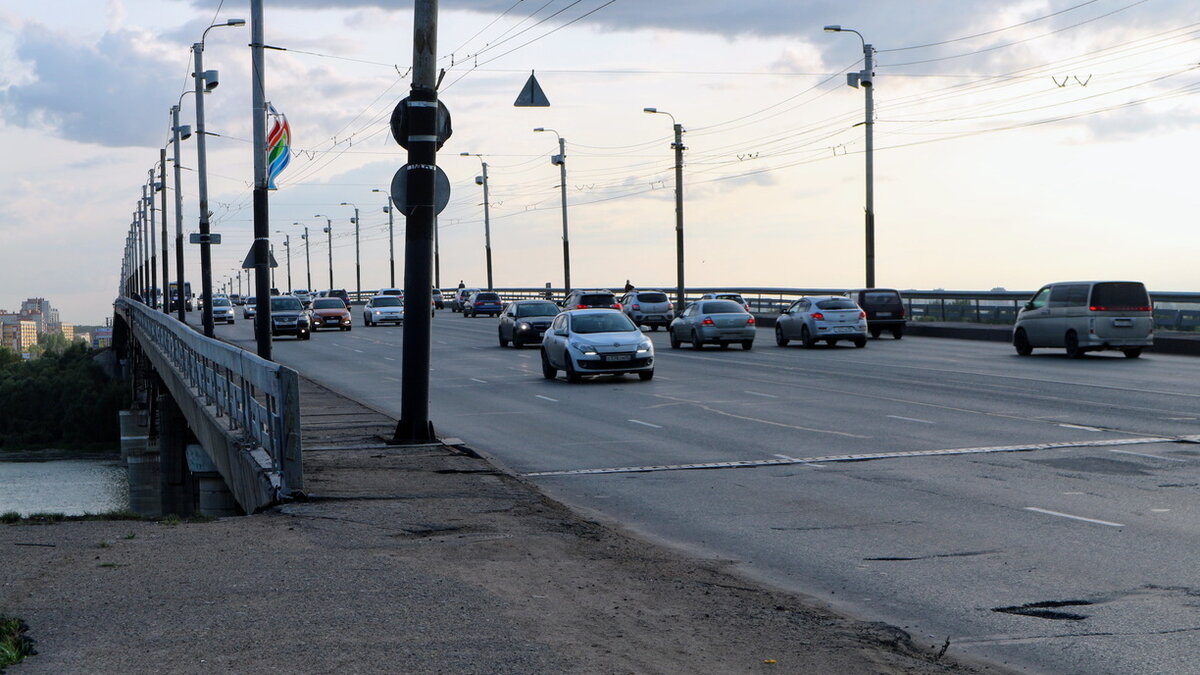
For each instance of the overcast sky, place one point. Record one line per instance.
(1017, 142)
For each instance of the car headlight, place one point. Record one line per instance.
(645, 347)
(586, 350)
(522, 326)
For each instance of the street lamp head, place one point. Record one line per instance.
(649, 110)
(833, 29)
(211, 79)
(465, 154)
(376, 190)
(540, 129)
(235, 22)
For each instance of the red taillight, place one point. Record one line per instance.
(818, 316)
(1094, 308)
(750, 321)
(746, 307)
(862, 315)
(581, 306)
(901, 314)
(670, 306)
(637, 307)
(616, 305)
(708, 321)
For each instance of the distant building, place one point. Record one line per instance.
(39, 310)
(68, 331)
(102, 338)
(19, 335)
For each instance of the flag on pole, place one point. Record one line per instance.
(279, 144)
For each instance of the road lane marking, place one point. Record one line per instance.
(547, 398)
(1160, 510)
(862, 457)
(911, 419)
(388, 358)
(755, 393)
(1079, 426)
(1067, 515)
(359, 351)
(476, 379)
(1146, 454)
(715, 411)
(645, 424)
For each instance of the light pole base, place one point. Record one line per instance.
(413, 433)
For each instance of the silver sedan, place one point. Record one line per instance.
(825, 317)
(722, 322)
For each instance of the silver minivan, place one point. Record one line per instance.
(1085, 316)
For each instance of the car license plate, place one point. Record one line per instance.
(618, 357)
(843, 329)
(1123, 323)
(883, 313)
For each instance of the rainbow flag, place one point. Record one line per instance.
(279, 144)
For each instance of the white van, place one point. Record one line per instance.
(1085, 316)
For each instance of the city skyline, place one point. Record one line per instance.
(1017, 144)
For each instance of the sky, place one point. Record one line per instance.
(1017, 142)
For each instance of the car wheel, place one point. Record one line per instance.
(831, 343)
(897, 333)
(806, 338)
(572, 376)
(876, 332)
(655, 329)
(1072, 345)
(307, 336)
(747, 345)
(1021, 343)
(696, 342)
(779, 339)
(347, 328)
(724, 345)
(503, 342)
(859, 343)
(1132, 352)
(675, 343)
(548, 371)
(646, 375)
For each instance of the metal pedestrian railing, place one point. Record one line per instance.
(258, 399)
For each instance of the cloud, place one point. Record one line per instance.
(99, 93)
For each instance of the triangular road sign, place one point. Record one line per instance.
(531, 96)
(248, 263)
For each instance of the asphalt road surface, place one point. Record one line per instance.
(1039, 512)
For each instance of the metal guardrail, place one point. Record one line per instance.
(1173, 311)
(259, 399)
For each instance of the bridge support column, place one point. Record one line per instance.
(141, 463)
(213, 496)
(173, 439)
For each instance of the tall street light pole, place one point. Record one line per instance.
(205, 81)
(329, 234)
(357, 260)
(152, 188)
(260, 254)
(178, 133)
(678, 147)
(162, 187)
(487, 225)
(561, 160)
(287, 247)
(865, 78)
(389, 209)
(307, 258)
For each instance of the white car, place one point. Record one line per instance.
(383, 309)
(595, 342)
(250, 309)
(222, 309)
(823, 317)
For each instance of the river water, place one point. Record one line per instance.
(71, 487)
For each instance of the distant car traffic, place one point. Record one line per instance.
(1084, 316)
(330, 313)
(236, 298)
(595, 342)
(288, 317)
(383, 309)
(335, 293)
(884, 308)
(735, 297)
(390, 291)
(721, 322)
(222, 309)
(250, 309)
(823, 317)
(648, 308)
(482, 302)
(525, 322)
(460, 298)
(439, 302)
(305, 296)
(581, 299)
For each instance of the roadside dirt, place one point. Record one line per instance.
(414, 560)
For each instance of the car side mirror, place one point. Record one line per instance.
(644, 328)
(1029, 305)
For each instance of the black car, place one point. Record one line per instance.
(525, 321)
(336, 293)
(580, 299)
(884, 308)
(288, 317)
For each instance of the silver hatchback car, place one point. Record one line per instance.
(824, 317)
(595, 342)
(648, 308)
(721, 322)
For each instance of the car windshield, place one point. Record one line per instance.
(220, 302)
(285, 303)
(613, 322)
(301, 292)
(487, 297)
(596, 299)
(537, 309)
(881, 298)
(391, 291)
(386, 301)
(329, 303)
(730, 296)
(251, 300)
(651, 297)
(837, 303)
(1120, 295)
(721, 307)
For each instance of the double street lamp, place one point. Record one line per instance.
(329, 233)
(287, 246)
(487, 226)
(864, 78)
(561, 160)
(357, 263)
(678, 147)
(389, 209)
(307, 258)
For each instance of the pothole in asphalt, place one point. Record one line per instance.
(1046, 610)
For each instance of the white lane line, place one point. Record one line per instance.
(476, 379)
(392, 379)
(388, 358)
(911, 419)
(755, 393)
(1079, 426)
(742, 464)
(1146, 454)
(547, 398)
(359, 351)
(645, 424)
(1067, 515)
(1160, 510)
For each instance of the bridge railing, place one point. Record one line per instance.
(1173, 311)
(258, 399)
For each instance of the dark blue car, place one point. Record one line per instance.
(483, 302)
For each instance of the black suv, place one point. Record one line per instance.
(579, 299)
(884, 308)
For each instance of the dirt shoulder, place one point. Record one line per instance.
(416, 560)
